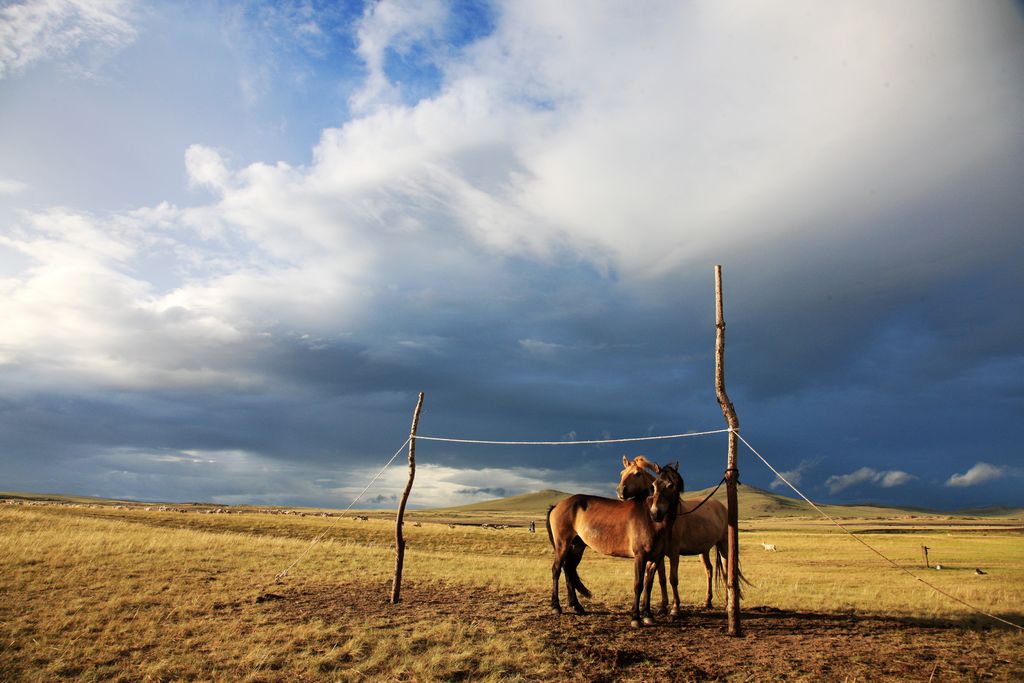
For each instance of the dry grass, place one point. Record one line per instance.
(106, 594)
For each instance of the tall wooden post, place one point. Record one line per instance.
(396, 585)
(732, 603)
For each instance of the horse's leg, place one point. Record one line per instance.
(652, 567)
(561, 548)
(664, 590)
(639, 572)
(707, 570)
(673, 577)
(572, 560)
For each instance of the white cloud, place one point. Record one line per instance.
(895, 478)
(9, 186)
(38, 30)
(239, 476)
(706, 144)
(394, 25)
(440, 486)
(978, 474)
(795, 475)
(206, 168)
(866, 475)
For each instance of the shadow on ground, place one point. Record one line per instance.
(601, 646)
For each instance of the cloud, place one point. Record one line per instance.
(978, 474)
(540, 348)
(395, 25)
(435, 485)
(516, 157)
(866, 475)
(381, 498)
(206, 168)
(38, 30)
(895, 478)
(795, 476)
(9, 186)
(490, 492)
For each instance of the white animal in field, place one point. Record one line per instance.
(769, 546)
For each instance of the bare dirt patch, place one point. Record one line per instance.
(600, 646)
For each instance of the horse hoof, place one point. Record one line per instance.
(555, 609)
(648, 621)
(635, 623)
(579, 609)
(674, 614)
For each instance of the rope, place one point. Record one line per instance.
(284, 572)
(706, 499)
(872, 548)
(570, 443)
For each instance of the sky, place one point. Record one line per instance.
(238, 238)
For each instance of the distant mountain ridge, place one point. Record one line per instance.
(753, 503)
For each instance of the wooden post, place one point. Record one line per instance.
(396, 585)
(732, 602)
(925, 550)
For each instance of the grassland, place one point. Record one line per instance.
(119, 592)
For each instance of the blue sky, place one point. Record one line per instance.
(236, 239)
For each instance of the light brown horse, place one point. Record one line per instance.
(636, 528)
(696, 531)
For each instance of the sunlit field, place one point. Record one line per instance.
(129, 594)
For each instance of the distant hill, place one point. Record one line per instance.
(537, 503)
(755, 503)
(991, 512)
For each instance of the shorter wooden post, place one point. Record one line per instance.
(925, 549)
(396, 585)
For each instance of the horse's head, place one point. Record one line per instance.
(667, 488)
(635, 481)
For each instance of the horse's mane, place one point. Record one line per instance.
(643, 463)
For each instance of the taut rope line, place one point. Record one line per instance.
(284, 572)
(571, 443)
(871, 548)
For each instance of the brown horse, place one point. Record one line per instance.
(696, 531)
(636, 528)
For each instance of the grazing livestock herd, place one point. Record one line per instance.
(646, 523)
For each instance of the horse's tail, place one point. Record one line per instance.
(722, 550)
(547, 523)
(719, 567)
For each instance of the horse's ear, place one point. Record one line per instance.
(675, 465)
(657, 470)
(625, 461)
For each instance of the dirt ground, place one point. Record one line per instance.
(601, 646)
